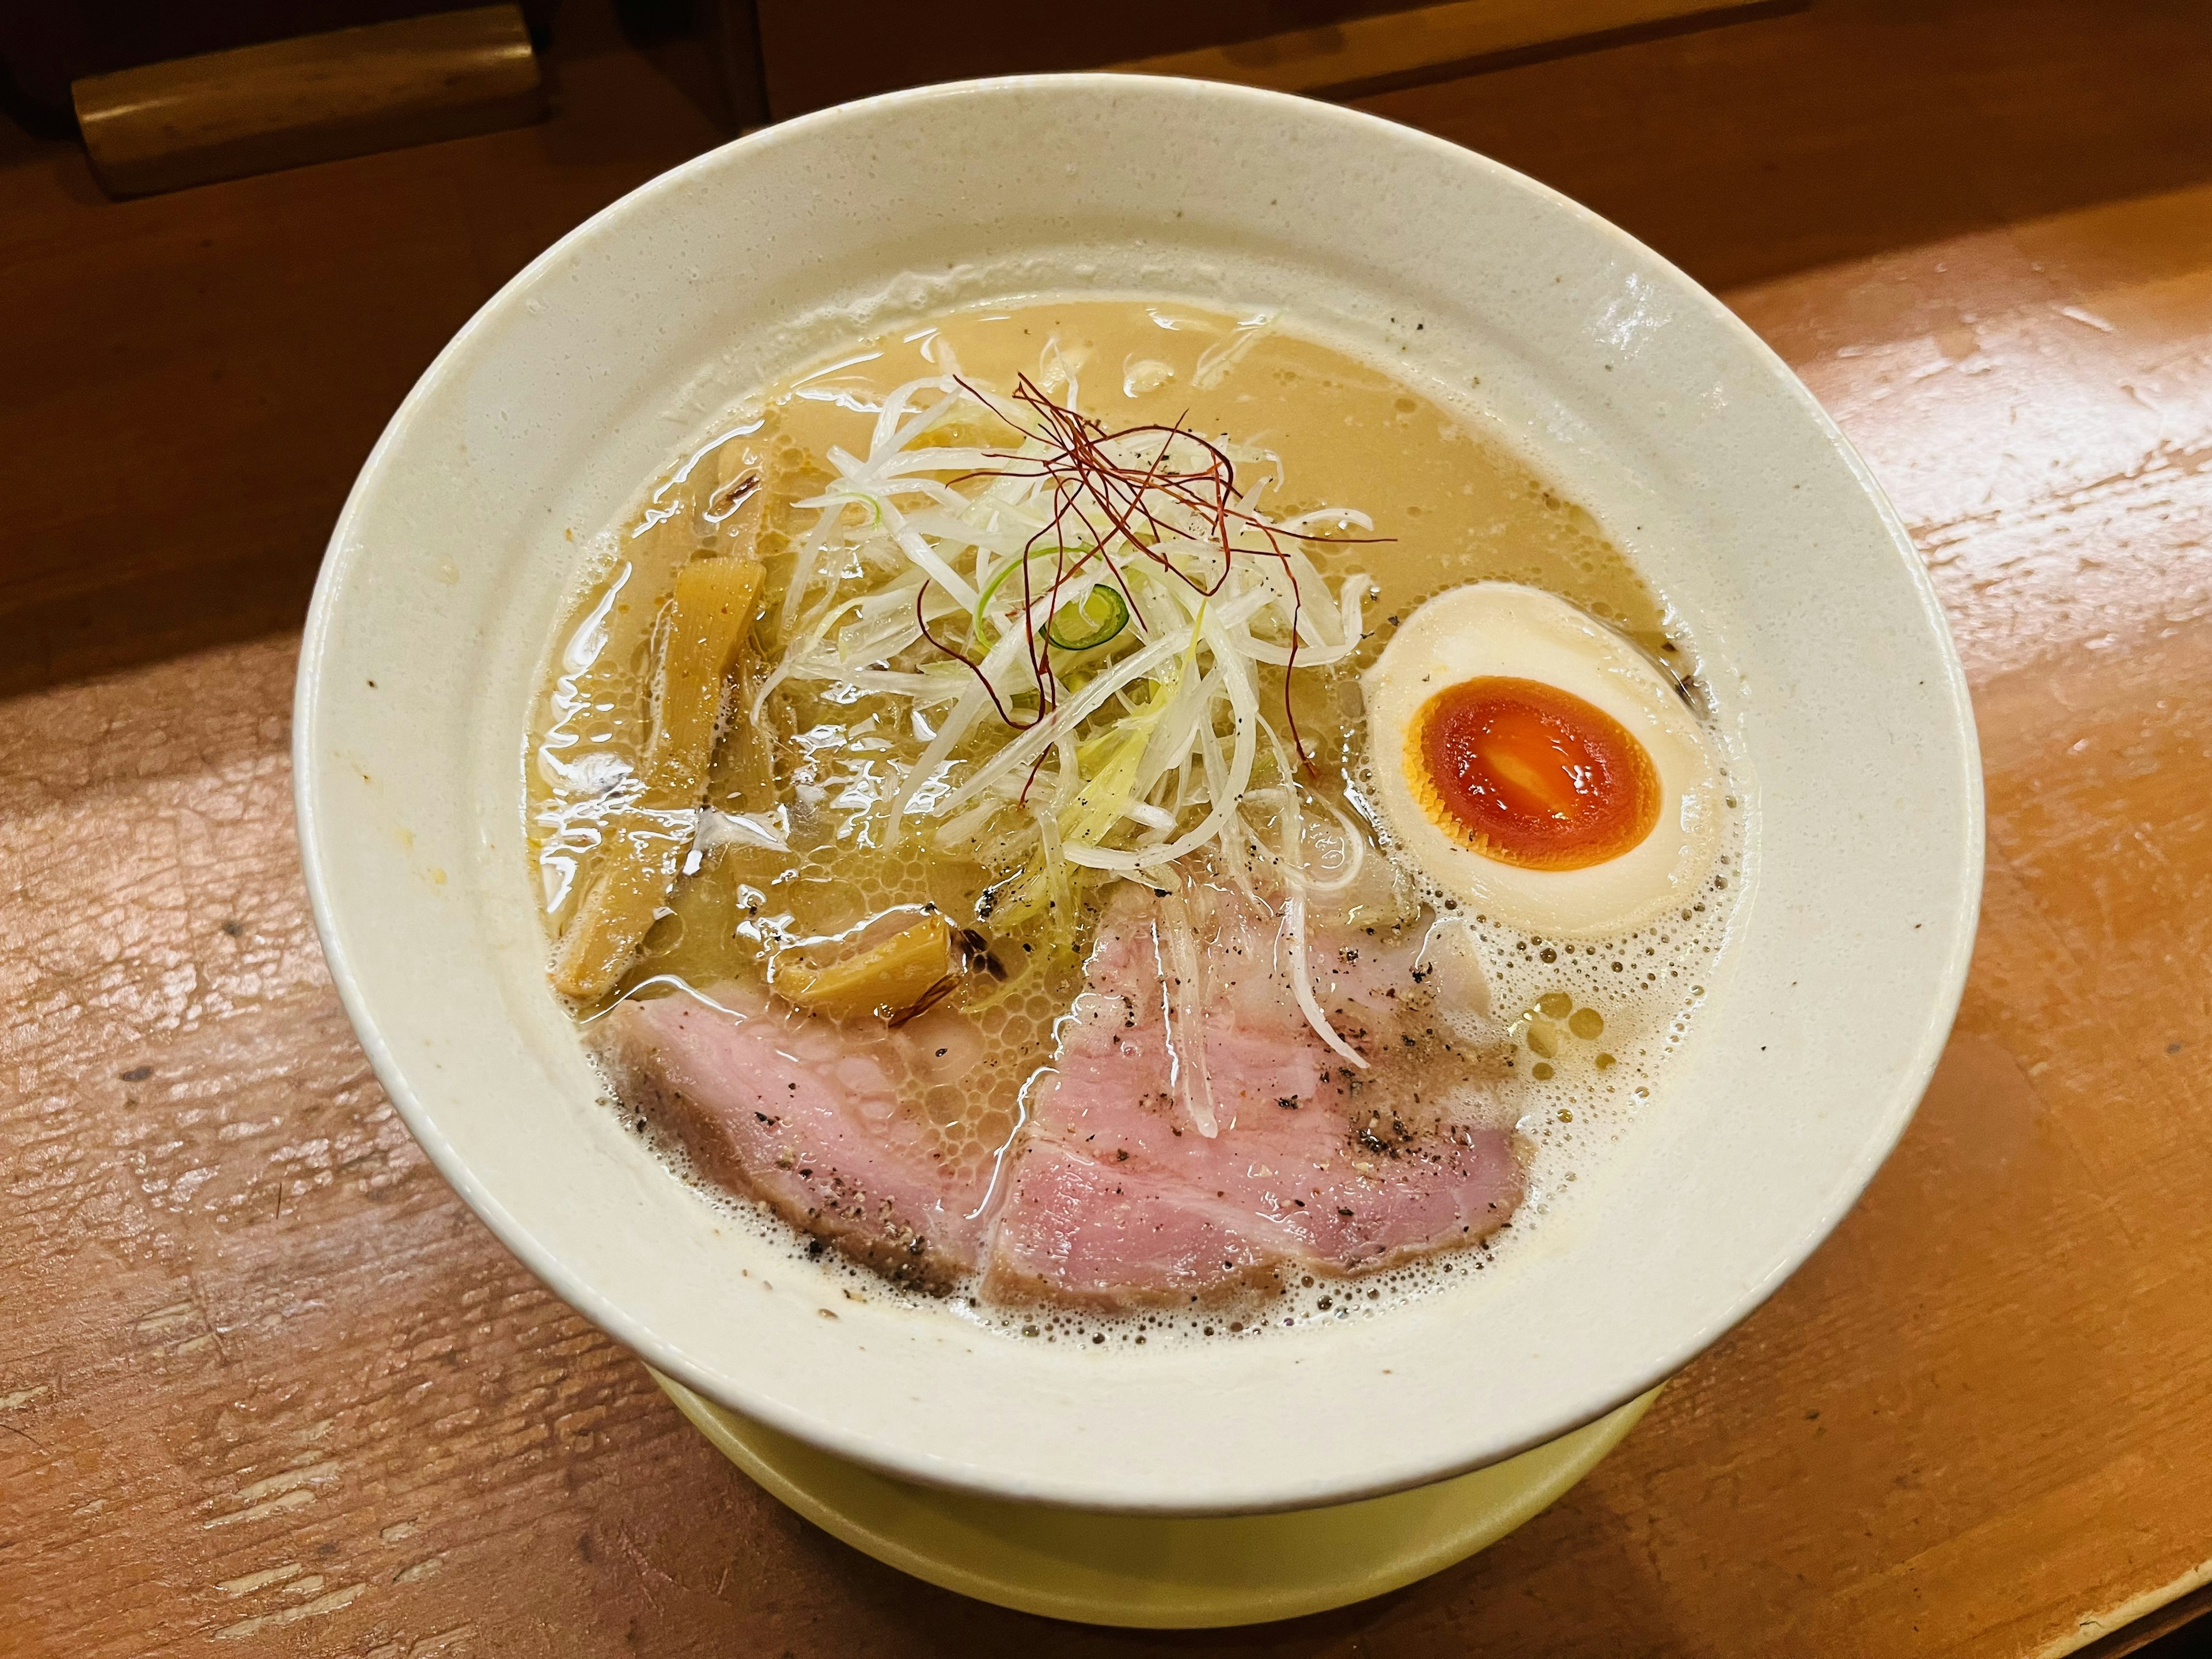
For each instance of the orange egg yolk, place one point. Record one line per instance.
(1528, 775)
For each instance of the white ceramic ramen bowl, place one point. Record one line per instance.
(1610, 370)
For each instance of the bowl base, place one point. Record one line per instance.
(1148, 1571)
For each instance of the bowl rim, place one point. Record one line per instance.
(345, 552)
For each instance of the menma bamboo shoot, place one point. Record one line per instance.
(643, 844)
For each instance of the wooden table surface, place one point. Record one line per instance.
(266, 1384)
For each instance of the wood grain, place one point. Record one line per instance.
(289, 103)
(266, 1387)
(1369, 52)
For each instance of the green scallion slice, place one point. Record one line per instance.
(982, 624)
(1088, 624)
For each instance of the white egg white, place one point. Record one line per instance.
(1524, 633)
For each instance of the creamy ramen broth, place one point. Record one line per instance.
(795, 866)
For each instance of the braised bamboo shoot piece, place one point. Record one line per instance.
(893, 980)
(643, 849)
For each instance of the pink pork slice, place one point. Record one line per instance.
(784, 1108)
(1315, 1166)
(1116, 1196)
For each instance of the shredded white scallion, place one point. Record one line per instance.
(934, 572)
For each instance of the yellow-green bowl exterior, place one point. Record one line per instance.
(1149, 1570)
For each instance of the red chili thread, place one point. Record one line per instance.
(1085, 478)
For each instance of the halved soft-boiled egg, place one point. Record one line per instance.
(1534, 763)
